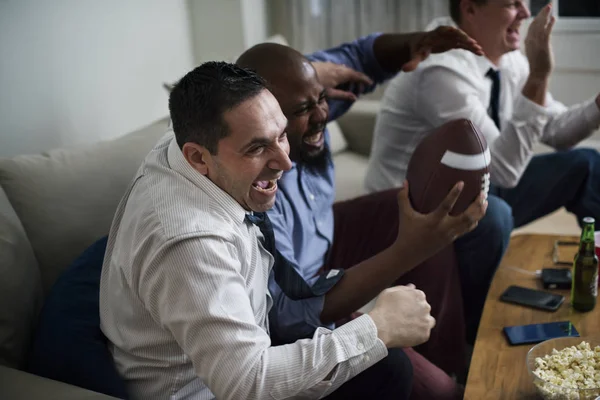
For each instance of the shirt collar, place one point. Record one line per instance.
(484, 65)
(179, 164)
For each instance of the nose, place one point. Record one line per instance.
(320, 114)
(281, 160)
(524, 12)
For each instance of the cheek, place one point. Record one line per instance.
(296, 129)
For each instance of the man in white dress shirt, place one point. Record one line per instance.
(505, 94)
(184, 289)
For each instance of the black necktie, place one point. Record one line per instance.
(495, 97)
(286, 276)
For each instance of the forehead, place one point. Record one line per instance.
(299, 85)
(257, 117)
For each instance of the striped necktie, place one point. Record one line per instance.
(286, 276)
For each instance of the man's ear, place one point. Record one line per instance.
(467, 9)
(197, 156)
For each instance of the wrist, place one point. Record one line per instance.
(380, 326)
(538, 77)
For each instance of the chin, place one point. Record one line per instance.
(313, 152)
(262, 207)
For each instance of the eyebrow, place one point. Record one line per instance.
(256, 141)
(308, 102)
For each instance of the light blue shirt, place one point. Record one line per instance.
(302, 217)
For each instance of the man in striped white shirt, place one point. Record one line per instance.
(184, 288)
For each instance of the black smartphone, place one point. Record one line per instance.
(556, 278)
(535, 333)
(532, 298)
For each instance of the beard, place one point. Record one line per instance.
(317, 163)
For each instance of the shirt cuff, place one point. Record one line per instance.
(592, 113)
(359, 336)
(527, 110)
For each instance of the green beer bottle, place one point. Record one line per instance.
(584, 287)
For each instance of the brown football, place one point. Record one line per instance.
(455, 151)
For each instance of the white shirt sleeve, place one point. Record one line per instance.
(567, 127)
(194, 289)
(445, 94)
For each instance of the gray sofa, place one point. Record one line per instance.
(55, 204)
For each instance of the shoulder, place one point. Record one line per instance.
(173, 206)
(455, 68)
(516, 64)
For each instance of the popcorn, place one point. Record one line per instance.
(562, 374)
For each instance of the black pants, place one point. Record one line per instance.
(390, 378)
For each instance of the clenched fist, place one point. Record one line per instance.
(402, 316)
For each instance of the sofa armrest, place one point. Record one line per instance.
(16, 385)
(358, 124)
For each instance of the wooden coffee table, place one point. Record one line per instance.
(498, 370)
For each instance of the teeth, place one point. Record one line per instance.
(313, 139)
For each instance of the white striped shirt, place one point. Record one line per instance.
(184, 299)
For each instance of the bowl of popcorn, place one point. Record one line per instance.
(566, 368)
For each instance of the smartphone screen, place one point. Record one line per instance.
(536, 333)
(532, 298)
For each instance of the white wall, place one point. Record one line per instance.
(223, 29)
(77, 71)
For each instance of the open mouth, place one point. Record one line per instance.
(265, 186)
(314, 139)
(514, 31)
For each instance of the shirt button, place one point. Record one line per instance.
(360, 346)
(311, 196)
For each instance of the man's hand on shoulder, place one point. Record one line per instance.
(420, 236)
(440, 40)
(332, 75)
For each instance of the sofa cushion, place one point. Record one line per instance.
(358, 125)
(338, 142)
(350, 171)
(20, 288)
(66, 198)
(69, 345)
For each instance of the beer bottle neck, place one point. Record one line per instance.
(586, 244)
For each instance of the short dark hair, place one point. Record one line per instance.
(455, 8)
(199, 100)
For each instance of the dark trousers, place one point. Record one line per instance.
(390, 378)
(569, 179)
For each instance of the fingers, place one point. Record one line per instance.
(351, 75)
(403, 199)
(432, 322)
(338, 94)
(448, 203)
(446, 38)
(550, 26)
(332, 75)
(472, 215)
(417, 58)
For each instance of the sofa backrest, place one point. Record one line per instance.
(66, 198)
(20, 287)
